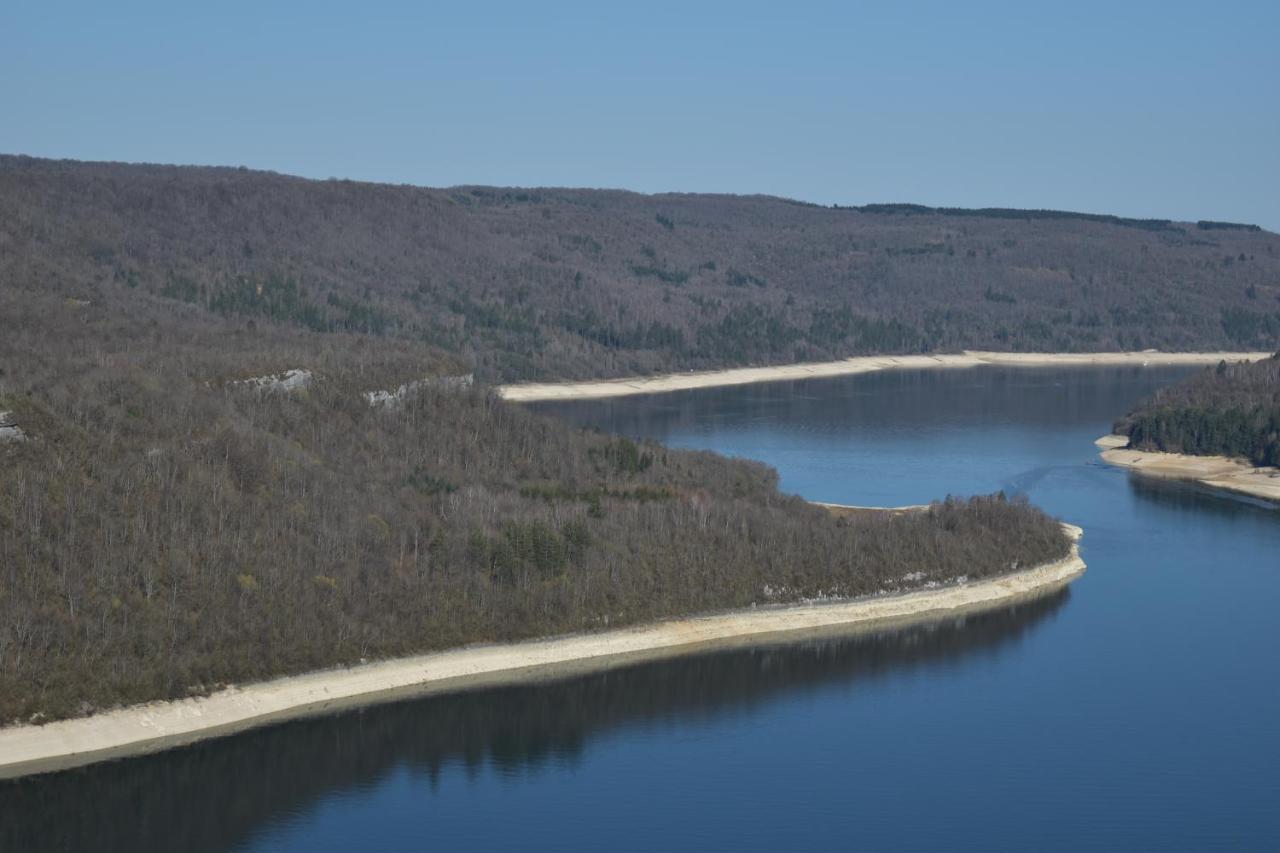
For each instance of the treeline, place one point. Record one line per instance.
(1029, 214)
(165, 529)
(1211, 225)
(1229, 410)
(558, 283)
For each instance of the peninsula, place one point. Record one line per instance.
(147, 728)
(1220, 427)
(193, 505)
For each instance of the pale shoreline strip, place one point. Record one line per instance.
(141, 729)
(587, 390)
(839, 510)
(1216, 472)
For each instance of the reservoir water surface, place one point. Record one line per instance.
(1139, 709)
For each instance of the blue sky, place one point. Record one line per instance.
(1144, 109)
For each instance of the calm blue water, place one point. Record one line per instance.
(1138, 710)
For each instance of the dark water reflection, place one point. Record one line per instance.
(213, 796)
(889, 400)
(1186, 497)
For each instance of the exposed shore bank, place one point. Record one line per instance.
(532, 392)
(841, 510)
(142, 729)
(1217, 472)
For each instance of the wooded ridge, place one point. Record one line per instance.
(524, 284)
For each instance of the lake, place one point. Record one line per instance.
(1135, 710)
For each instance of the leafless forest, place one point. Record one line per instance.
(547, 283)
(166, 527)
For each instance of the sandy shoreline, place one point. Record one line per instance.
(840, 510)
(141, 729)
(531, 392)
(1217, 472)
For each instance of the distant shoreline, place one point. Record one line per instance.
(142, 729)
(599, 389)
(1216, 472)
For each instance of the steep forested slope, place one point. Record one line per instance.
(1229, 410)
(166, 526)
(583, 283)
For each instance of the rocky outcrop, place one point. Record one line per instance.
(9, 429)
(399, 395)
(283, 383)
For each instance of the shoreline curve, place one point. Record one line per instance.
(141, 729)
(663, 383)
(1215, 472)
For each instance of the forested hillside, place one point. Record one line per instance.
(555, 283)
(167, 526)
(1229, 410)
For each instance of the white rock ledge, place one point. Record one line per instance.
(399, 395)
(296, 379)
(9, 429)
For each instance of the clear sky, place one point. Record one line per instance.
(1166, 109)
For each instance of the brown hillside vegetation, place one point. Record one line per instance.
(556, 283)
(165, 527)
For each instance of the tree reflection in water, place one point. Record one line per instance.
(1195, 499)
(214, 795)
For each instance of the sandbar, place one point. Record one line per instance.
(1218, 472)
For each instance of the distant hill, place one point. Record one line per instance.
(565, 283)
